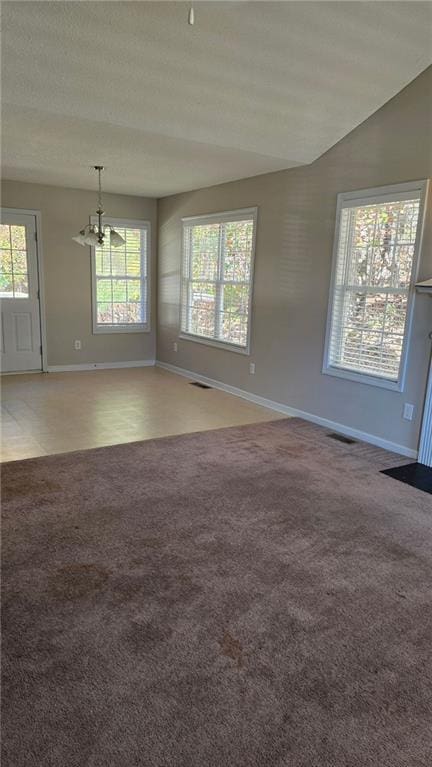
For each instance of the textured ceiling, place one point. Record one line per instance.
(252, 87)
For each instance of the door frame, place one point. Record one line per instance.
(425, 446)
(40, 272)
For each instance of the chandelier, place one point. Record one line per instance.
(94, 234)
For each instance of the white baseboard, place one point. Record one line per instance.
(394, 447)
(21, 372)
(99, 366)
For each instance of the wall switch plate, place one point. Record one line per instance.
(175, 346)
(252, 368)
(408, 411)
(77, 345)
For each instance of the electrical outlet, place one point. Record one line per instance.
(252, 368)
(175, 346)
(408, 411)
(77, 345)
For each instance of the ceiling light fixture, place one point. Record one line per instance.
(191, 16)
(94, 234)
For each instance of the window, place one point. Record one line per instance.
(217, 273)
(14, 281)
(376, 248)
(120, 280)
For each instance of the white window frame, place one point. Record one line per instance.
(389, 193)
(142, 327)
(221, 218)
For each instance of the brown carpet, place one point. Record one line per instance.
(250, 597)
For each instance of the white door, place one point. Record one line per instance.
(20, 334)
(425, 449)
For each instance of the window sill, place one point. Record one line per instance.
(216, 344)
(98, 329)
(351, 375)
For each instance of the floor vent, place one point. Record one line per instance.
(342, 438)
(200, 385)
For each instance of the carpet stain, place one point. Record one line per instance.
(231, 648)
(398, 553)
(77, 580)
(151, 542)
(291, 452)
(19, 487)
(142, 637)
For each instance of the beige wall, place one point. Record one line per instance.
(67, 272)
(292, 272)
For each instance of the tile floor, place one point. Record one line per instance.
(45, 413)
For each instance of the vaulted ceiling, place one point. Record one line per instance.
(252, 87)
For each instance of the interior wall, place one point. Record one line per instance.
(67, 272)
(296, 218)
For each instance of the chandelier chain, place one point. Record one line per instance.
(99, 169)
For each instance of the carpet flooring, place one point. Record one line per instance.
(258, 596)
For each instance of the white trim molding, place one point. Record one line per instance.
(291, 411)
(243, 214)
(100, 366)
(41, 282)
(425, 449)
(346, 200)
(145, 278)
(212, 342)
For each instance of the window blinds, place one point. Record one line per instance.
(217, 268)
(121, 280)
(376, 244)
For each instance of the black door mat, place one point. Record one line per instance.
(415, 474)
